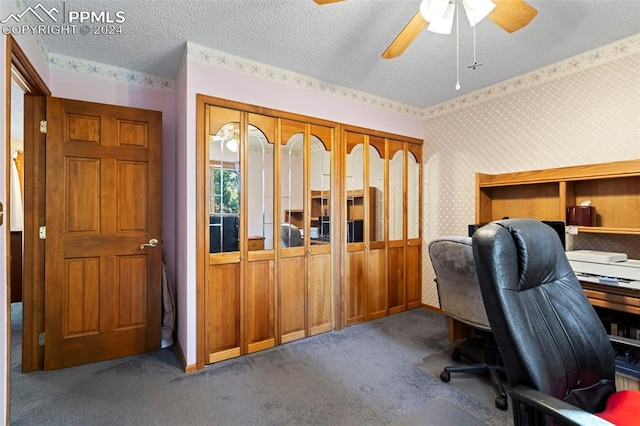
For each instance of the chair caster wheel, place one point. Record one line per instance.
(455, 355)
(445, 376)
(501, 403)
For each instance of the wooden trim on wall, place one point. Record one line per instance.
(7, 214)
(33, 311)
(385, 135)
(201, 207)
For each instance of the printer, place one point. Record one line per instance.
(605, 267)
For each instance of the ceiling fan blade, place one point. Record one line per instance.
(321, 2)
(406, 37)
(512, 15)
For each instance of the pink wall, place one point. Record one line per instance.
(200, 78)
(185, 244)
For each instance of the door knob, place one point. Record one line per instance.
(152, 243)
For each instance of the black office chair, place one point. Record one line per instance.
(460, 299)
(557, 355)
(290, 235)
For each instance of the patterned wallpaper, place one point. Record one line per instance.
(589, 113)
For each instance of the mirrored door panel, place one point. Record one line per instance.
(223, 180)
(320, 184)
(355, 186)
(260, 177)
(396, 188)
(376, 188)
(292, 218)
(413, 192)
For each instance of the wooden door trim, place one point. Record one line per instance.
(202, 258)
(33, 310)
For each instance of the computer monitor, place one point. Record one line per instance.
(559, 227)
(325, 228)
(223, 232)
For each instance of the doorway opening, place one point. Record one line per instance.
(16, 219)
(23, 84)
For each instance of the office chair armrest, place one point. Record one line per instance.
(529, 403)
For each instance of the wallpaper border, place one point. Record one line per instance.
(110, 72)
(238, 64)
(592, 58)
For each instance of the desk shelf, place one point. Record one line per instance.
(613, 189)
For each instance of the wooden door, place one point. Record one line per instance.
(223, 294)
(292, 286)
(376, 264)
(355, 145)
(258, 220)
(103, 202)
(413, 253)
(397, 224)
(319, 190)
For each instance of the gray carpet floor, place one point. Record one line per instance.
(383, 372)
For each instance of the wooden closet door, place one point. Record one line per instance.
(319, 278)
(223, 293)
(413, 253)
(292, 285)
(396, 245)
(354, 200)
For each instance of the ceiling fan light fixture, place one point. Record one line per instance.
(433, 9)
(439, 14)
(477, 10)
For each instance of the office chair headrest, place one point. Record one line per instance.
(541, 258)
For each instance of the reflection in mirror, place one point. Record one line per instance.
(292, 191)
(355, 194)
(396, 170)
(320, 184)
(376, 180)
(224, 189)
(259, 190)
(413, 197)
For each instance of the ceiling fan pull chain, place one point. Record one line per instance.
(475, 63)
(457, 48)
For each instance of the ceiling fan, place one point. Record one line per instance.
(437, 16)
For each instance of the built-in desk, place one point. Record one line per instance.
(612, 297)
(600, 295)
(255, 243)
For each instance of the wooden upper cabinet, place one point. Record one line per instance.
(613, 189)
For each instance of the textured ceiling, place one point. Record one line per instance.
(341, 43)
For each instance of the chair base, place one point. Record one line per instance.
(492, 368)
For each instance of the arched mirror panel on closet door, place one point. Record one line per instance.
(292, 217)
(396, 279)
(260, 183)
(320, 289)
(224, 189)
